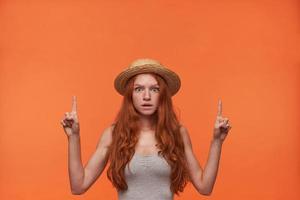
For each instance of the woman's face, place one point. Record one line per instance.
(145, 94)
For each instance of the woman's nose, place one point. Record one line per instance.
(147, 94)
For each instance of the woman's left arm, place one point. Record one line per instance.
(204, 180)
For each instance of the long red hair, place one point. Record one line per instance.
(167, 134)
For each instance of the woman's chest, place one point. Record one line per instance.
(146, 145)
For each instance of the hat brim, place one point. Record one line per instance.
(171, 78)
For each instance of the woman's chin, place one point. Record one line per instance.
(146, 112)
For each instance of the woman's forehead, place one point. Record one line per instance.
(145, 79)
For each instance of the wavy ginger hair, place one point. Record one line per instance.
(167, 134)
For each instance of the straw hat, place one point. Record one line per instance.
(146, 65)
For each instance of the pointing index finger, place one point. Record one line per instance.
(219, 107)
(74, 104)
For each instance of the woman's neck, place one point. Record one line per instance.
(147, 123)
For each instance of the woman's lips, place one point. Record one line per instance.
(147, 107)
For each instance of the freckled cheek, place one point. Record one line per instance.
(134, 99)
(156, 101)
(137, 100)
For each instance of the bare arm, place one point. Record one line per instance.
(82, 178)
(202, 180)
(212, 165)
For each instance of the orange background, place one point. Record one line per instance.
(245, 52)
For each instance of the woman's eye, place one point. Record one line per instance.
(137, 89)
(156, 89)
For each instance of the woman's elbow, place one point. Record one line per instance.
(77, 191)
(204, 191)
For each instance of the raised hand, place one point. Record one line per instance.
(70, 122)
(221, 127)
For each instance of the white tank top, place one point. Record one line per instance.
(148, 178)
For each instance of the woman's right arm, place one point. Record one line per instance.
(81, 178)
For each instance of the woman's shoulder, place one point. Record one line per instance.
(183, 131)
(106, 136)
(108, 130)
(182, 128)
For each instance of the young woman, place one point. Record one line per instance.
(150, 152)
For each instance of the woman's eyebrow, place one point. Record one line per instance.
(142, 85)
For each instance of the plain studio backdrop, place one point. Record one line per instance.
(244, 52)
